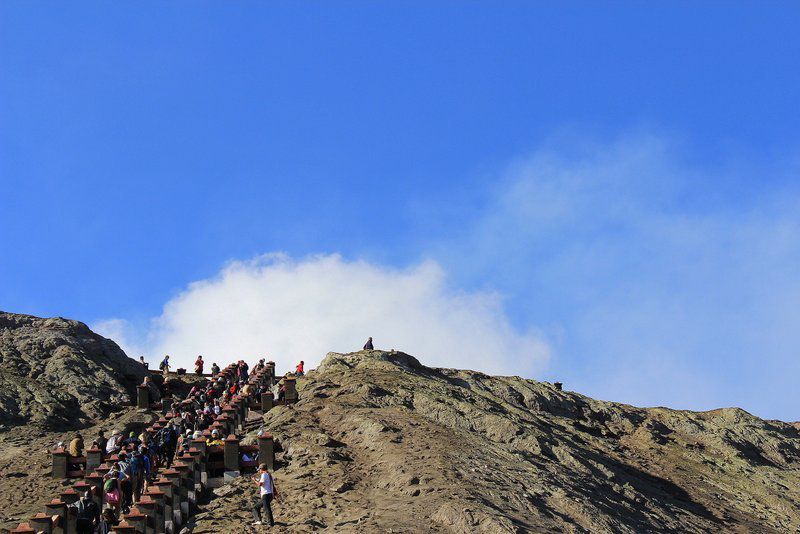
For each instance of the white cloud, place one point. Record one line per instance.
(292, 310)
(666, 283)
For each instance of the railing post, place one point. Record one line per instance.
(57, 507)
(200, 445)
(41, 523)
(124, 528)
(266, 450)
(142, 398)
(166, 404)
(291, 389)
(60, 460)
(157, 495)
(267, 400)
(148, 507)
(137, 520)
(174, 476)
(231, 452)
(94, 457)
(169, 491)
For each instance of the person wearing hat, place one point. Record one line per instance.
(132, 440)
(216, 439)
(266, 485)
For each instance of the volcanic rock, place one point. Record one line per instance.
(59, 374)
(380, 443)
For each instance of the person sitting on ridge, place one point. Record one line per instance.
(214, 369)
(76, 446)
(299, 370)
(215, 439)
(152, 389)
(144, 363)
(198, 365)
(114, 442)
(164, 366)
(368, 345)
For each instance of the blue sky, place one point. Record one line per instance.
(611, 188)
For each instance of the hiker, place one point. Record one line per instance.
(114, 442)
(215, 439)
(214, 369)
(101, 440)
(198, 365)
(132, 440)
(76, 446)
(126, 481)
(107, 521)
(88, 514)
(241, 371)
(152, 389)
(141, 360)
(140, 468)
(299, 370)
(259, 366)
(266, 485)
(164, 366)
(368, 345)
(111, 487)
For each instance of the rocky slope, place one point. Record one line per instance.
(58, 374)
(380, 443)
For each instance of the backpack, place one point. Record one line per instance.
(136, 465)
(125, 467)
(165, 436)
(110, 484)
(112, 497)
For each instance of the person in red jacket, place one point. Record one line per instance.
(299, 370)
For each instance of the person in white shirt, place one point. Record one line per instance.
(266, 485)
(113, 443)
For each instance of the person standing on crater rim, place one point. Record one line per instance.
(198, 365)
(368, 344)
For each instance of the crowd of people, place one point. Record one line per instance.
(140, 456)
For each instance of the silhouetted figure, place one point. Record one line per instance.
(368, 345)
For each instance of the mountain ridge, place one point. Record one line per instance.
(380, 442)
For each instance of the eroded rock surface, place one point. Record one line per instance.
(380, 443)
(58, 374)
